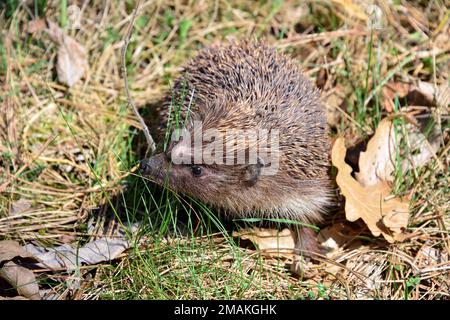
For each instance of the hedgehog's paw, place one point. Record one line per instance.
(303, 268)
(308, 251)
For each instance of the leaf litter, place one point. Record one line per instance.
(387, 217)
(20, 278)
(65, 257)
(72, 62)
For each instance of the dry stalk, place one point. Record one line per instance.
(148, 137)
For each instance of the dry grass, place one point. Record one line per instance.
(67, 155)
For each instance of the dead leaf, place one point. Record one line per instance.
(391, 90)
(428, 94)
(421, 149)
(72, 57)
(36, 25)
(270, 242)
(430, 256)
(378, 162)
(68, 257)
(386, 217)
(336, 236)
(20, 206)
(20, 278)
(13, 298)
(420, 94)
(443, 97)
(10, 249)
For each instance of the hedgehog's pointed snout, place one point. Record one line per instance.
(143, 167)
(151, 166)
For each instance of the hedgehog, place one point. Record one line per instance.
(249, 87)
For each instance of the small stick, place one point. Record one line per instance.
(148, 137)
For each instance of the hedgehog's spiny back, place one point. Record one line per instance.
(249, 85)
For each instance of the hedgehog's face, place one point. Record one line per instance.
(196, 180)
(214, 184)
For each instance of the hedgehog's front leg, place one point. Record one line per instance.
(307, 248)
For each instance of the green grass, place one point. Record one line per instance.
(63, 16)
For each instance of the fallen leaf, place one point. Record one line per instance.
(429, 256)
(72, 61)
(368, 268)
(420, 94)
(337, 236)
(382, 216)
(20, 206)
(68, 257)
(428, 94)
(10, 249)
(271, 242)
(19, 277)
(36, 25)
(391, 90)
(443, 97)
(421, 149)
(378, 162)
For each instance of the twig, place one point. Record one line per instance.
(148, 137)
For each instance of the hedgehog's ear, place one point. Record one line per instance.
(252, 172)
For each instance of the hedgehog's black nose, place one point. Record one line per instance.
(143, 166)
(151, 166)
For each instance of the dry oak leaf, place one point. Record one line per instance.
(270, 242)
(382, 216)
(378, 162)
(72, 57)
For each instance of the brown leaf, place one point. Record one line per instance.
(19, 207)
(10, 249)
(72, 57)
(378, 162)
(67, 256)
(337, 236)
(391, 90)
(22, 279)
(36, 25)
(443, 97)
(420, 94)
(270, 242)
(382, 216)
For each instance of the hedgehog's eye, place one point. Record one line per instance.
(196, 171)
